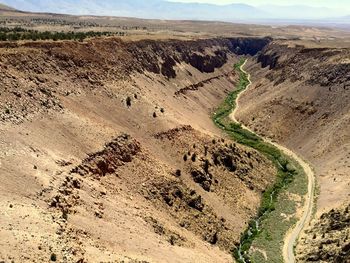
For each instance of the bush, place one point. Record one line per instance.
(194, 157)
(53, 257)
(128, 101)
(178, 173)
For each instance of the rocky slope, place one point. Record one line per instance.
(34, 78)
(108, 152)
(327, 240)
(300, 96)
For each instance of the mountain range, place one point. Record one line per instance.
(175, 10)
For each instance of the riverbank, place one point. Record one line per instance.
(282, 202)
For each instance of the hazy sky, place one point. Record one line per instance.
(337, 4)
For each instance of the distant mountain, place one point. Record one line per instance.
(172, 10)
(139, 8)
(5, 7)
(299, 12)
(340, 22)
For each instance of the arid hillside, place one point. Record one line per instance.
(327, 239)
(108, 152)
(300, 97)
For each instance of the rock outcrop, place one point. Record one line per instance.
(327, 240)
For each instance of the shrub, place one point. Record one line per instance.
(128, 101)
(154, 115)
(185, 157)
(178, 173)
(53, 257)
(194, 157)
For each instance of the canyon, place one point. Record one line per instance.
(109, 152)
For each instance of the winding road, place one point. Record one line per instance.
(293, 234)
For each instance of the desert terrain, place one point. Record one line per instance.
(109, 153)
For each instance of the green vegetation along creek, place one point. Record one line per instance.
(262, 241)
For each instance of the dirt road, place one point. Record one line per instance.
(293, 234)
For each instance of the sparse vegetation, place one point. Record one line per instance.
(53, 257)
(287, 169)
(194, 157)
(185, 157)
(128, 101)
(178, 173)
